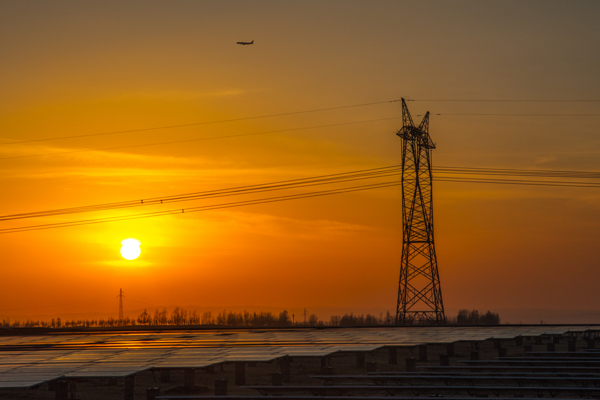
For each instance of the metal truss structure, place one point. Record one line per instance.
(419, 293)
(120, 296)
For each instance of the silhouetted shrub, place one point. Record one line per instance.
(466, 317)
(181, 317)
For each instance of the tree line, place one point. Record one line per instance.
(182, 317)
(474, 317)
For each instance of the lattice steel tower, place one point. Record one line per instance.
(120, 296)
(419, 294)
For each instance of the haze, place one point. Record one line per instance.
(76, 68)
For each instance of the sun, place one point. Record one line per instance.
(130, 249)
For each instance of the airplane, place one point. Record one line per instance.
(245, 43)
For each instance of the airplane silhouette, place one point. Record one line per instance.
(245, 43)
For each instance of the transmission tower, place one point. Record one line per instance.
(419, 292)
(120, 304)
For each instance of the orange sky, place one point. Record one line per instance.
(74, 68)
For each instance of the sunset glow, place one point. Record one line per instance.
(152, 108)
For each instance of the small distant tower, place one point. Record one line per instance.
(120, 304)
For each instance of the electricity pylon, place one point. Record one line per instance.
(120, 304)
(419, 292)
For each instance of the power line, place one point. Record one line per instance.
(200, 139)
(441, 173)
(201, 208)
(510, 100)
(293, 197)
(255, 133)
(271, 132)
(520, 115)
(519, 182)
(290, 113)
(240, 190)
(519, 172)
(201, 123)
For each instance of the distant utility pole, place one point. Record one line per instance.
(121, 304)
(305, 316)
(419, 292)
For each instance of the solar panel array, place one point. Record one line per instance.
(32, 360)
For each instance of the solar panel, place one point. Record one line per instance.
(15, 384)
(123, 354)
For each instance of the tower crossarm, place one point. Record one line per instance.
(411, 132)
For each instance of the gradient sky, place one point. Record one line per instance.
(74, 68)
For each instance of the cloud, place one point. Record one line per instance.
(545, 159)
(178, 95)
(123, 263)
(271, 225)
(35, 151)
